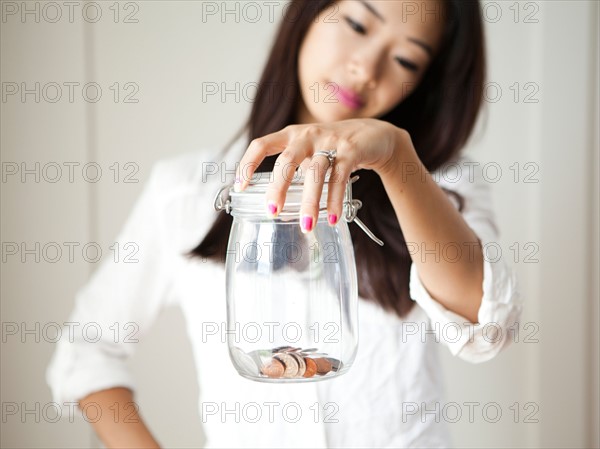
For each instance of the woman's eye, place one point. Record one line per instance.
(408, 65)
(356, 26)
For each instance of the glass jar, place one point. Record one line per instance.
(291, 297)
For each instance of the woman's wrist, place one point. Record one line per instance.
(401, 148)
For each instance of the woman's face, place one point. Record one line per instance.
(360, 58)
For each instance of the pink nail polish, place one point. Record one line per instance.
(332, 218)
(306, 223)
(272, 208)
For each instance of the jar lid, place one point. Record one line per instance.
(251, 201)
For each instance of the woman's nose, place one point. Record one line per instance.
(365, 69)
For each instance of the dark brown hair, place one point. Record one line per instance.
(439, 116)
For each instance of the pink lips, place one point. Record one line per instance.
(349, 98)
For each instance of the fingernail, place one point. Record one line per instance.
(306, 223)
(272, 208)
(237, 185)
(332, 218)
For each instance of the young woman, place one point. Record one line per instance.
(404, 83)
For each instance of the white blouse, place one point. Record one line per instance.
(386, 398)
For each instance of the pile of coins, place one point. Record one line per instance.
(288, 362)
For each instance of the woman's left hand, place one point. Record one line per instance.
(360, 144)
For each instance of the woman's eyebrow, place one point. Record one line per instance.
(377, 14)
(373, 10)
(423, 45)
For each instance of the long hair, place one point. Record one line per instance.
(438, 114)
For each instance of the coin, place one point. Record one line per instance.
(301, 364)
(274, 369)
(244, 361)
(323, 365)
(283, 349)
(311, 367)
(290, 363)
(335, 363)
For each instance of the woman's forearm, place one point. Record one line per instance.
(433, 229)
(116, 419)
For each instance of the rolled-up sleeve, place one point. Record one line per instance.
(500, 305)
(117, 305)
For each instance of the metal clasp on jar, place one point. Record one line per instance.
(351, 207)
(220, 203)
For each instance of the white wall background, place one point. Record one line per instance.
(167, 55)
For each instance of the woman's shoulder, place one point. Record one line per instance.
(183, 188)
(196, 170)
(193, 170)
(462, 174)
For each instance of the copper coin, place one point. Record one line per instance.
(290, 363)
(274, 369)
(301, 364)
(323, 365)
(311, 367)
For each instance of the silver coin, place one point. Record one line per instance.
(301, 364)
(245, 361)
(317, 354)
(282, 349)
(335, 363)
(306, 351)
(290, 363)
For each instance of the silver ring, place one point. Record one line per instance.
(330, 155)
